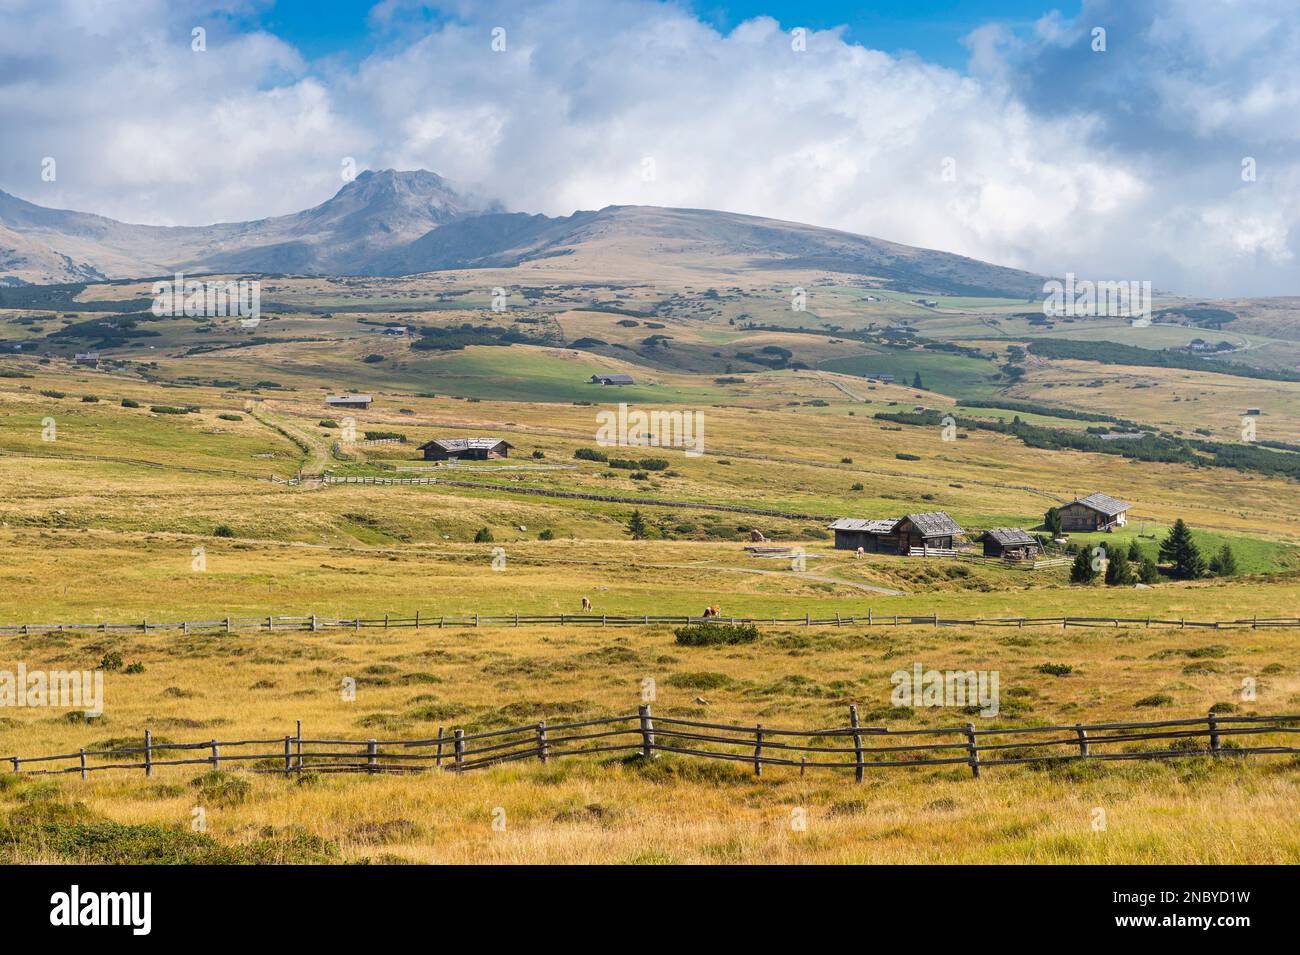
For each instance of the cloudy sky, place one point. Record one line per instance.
(1001, 130)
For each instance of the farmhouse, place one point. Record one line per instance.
(931, 530)
(87, 358)
(471, 449)
(883, 379)
(349, 401)
(1096, 512)
(612, 380)
(1013, 543)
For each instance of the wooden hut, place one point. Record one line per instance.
(1013, 543)
(1096, 512)
(469, 449)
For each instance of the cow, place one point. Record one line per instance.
(586, 603)
(860, 553)
(713, 611)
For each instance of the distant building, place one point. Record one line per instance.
(1123, 436)
(395, 330)
(854, 532)
(612, 380)
(90, 358)
(1252, 411)
(883, 379)
(349, 401)
(1096, 512)
(1010, 542)
(470, 449)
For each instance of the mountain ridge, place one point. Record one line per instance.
(391, 222)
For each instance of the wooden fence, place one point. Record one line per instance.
(854, 746)
(314, 622)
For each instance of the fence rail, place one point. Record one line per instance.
(854, 746)
(317, 622)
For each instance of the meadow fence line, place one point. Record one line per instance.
(315, 622)
(855, 746)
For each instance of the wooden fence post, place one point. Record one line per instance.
(437, 757)
(647, 731)
(758, 750)
(16, 762)
(298, 737)
(1083, 739)
(372, 755)
(83, 762)
(148, 752)
(216, 754)
(974, 753)
(858, 770)
(1214, 734)
(227, 625)
(543, 749)
(460, 747)
(313, 623)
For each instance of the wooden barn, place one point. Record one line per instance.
(90, 358)
(349, 401)
(469, 449)
(612, 380)
(934, 530)
(1013, 543)
(871, 535)
(1096, 512)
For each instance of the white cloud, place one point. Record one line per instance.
(1122, 164)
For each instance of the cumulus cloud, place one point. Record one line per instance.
(1045, 154)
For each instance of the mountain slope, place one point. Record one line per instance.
(400, 223)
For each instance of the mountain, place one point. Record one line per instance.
(400, 223)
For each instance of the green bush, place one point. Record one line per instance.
(130, 403)
(483, 536)
(1055, 669)
(590, 454)
(1155, 699)
(223, 530)
(231, 417)
(716, 634)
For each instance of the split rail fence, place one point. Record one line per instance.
(314, 622)
(852, 747)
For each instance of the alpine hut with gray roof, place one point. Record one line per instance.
(932, 530)
(472, 449)
(1096, 512)
(1012, 543)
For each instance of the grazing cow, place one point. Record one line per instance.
(586, 603)
(860, 552)
(713, 611)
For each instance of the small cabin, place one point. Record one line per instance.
(612, 380)
(349, 401)
(1011, 543)
(467, 449)
(1096, 512)
(90, 358)
(1252, 411)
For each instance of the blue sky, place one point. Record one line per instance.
(932, 29)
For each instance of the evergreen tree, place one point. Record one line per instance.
(1181, 551)
(1224, 563)
(916, 381)
(484, 536)
(636, 526)
(1052, 521)
(1134, 551)
(1148, 572)
(1119, 572)
(1081, 571)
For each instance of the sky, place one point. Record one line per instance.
(1146, 140)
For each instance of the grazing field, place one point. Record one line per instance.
(183, 478)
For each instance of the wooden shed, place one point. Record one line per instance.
(873, 536)
(1013, 543)
(470, 449)
(612, 380)
(349, 401)
(1096, 512)
(932, 530)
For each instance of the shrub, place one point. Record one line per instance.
(1055, 669)
(130, 403)
(136, 667)
(231, 417)
(590, 454)
(90, 399)
(698, 681)
(483, 536)
(538, 454)
(903, 456)
(50, 393)
(112, 660)
(1155, 699)
(170, 409)
(327, 423)
(546, 535)
(716, 634)
(223, 530)
(372, 359)
(857, 487)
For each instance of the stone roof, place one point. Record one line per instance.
(1103, 504)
